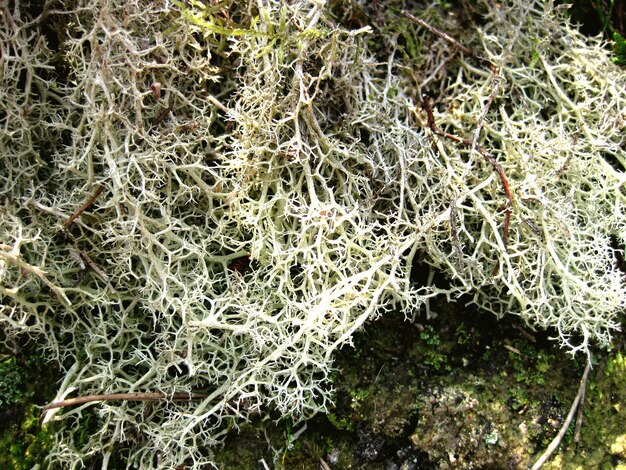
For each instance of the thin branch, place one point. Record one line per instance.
(559, 437)
(97, 269)
(135, 396)
(86, 205)
(159, 118)
(492, 161)
(492, 96)
(579, 417)
(438, 32)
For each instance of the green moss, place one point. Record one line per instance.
(26, 381)
(24, 444)
(604, 418)
(11, 383)
(619, 49)
(342, 423)
(429, 336)
(530, 363)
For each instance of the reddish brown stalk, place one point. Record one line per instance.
(86, 205)
(159, 118)
(492, 161)
(136, 396)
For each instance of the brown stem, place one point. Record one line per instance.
(159, 118)
(492, 161)
(134, 396)
(86, 205)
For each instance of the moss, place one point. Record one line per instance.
(604, 419)
(479, 420)
(24, 444)
(11, 383)
(502, 412)
(26, 382)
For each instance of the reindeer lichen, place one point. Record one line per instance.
(266, 184)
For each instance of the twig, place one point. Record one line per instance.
(492, 161)
(86, 205)
(159, 118)
(324, 465)
(438, 32)
(525, 333)
(136, 396)
(512, 349)
(559, 437)
(85, 258)
(492, 97)
(579, 417)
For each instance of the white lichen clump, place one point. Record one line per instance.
(265, 183)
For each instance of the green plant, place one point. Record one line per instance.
(23, 443)
(342, 423)
(11, 383)
(429, 336)
(619, 49)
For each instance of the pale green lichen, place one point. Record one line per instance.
(265, 131)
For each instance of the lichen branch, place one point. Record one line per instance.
(492, 161)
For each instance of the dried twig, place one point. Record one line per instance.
(159, 118)
(579, 417)
(87, 263)
(324, 465)
(136, 396)
(512, 349)
(492, 161)
(86, 205)
(438, 32)
(492, 96)
(525, 333)
(559, 437)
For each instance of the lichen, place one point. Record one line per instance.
(214, 197)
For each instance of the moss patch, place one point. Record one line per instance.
(602, 440)
(26, 381)
(496, 399)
